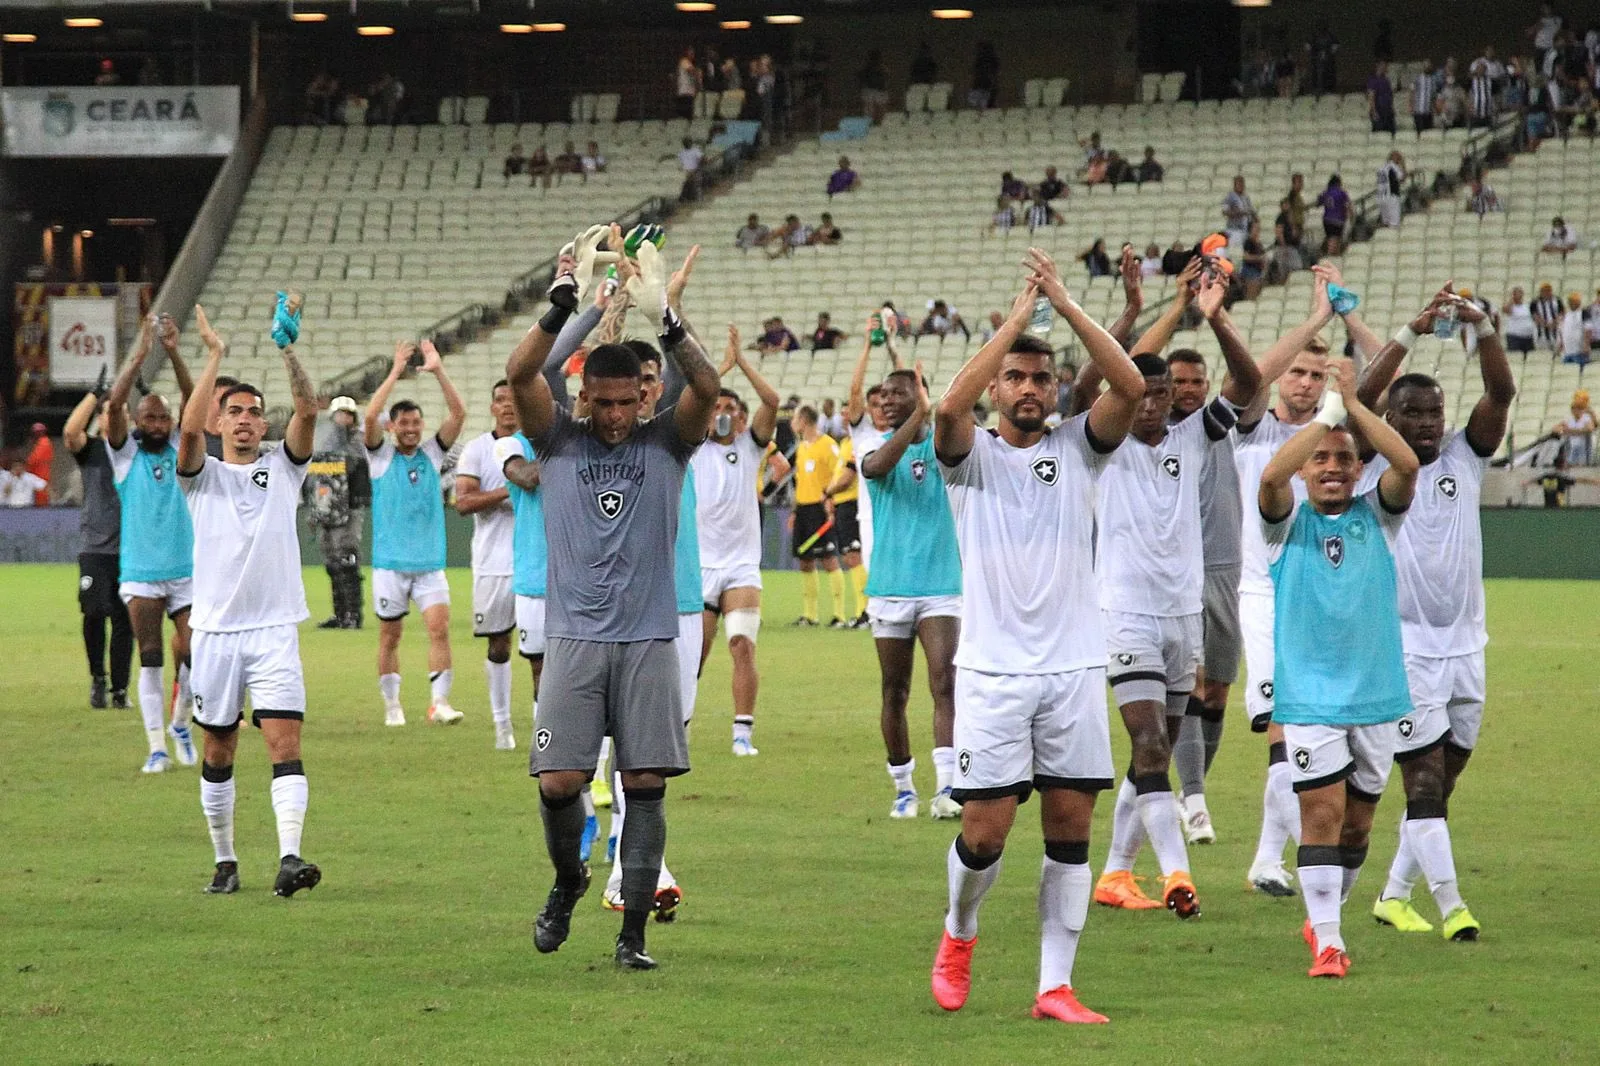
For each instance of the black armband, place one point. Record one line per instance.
(554, 319)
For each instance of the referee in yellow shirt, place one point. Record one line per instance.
(845, 491)
(816, 461)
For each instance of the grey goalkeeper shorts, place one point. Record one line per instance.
(1221, 613)
(630, 691)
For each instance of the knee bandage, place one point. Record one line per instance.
(743, 622)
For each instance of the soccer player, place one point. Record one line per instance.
(1150, 568)
(728, 515)
(914, 593)
(1031, 666)
(100, 524)
(481, 492)
(1439, 560)
(156, 560)
(863, 415)
(248, 602)
(1338, 669)
(816, 459)
(612, 487)
(408, 550)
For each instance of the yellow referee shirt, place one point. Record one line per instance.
(847, 457)
(815, 463)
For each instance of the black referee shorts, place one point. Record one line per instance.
(808, 519)
(847, 526)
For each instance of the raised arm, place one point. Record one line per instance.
(299, 438)
(1243, 379)
(1277, 358)
(1112, 412)
(649, 290)
(1486, 427)
(1367, 343)
(117, 415)
(75, 434)
(1385, 365)
(765, 421)
(952, 420)
(455, 409)
(372, 426)
(877, 464)
(1155, 339)
(525, 370)
(167, 331)
(196, 409)
(1132, 298)
(855, 407)
(1398, 484)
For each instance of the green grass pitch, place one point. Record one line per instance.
(810, 918)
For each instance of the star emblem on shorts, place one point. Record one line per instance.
(1265, 688)
(1447, 486)
(965, 762)
(1302, 759)
(1046, 468)
(542, 739)
(1124, 658)
(1406, 727)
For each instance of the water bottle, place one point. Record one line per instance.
(1043, 318)
(877, 335)
(1444, 322)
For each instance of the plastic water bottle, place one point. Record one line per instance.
(1043, 318)
(877, 335)
(1444, 323)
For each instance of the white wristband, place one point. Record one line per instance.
(1486, 328)
(1332, 411)
(1406, 337)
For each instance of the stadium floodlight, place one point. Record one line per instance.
(736, 24)
(84, 23)
(549, 27)
(952, 13)
(785, 20)
(516, 27)
(694, 5)
(21, 38)
(375, 31)
(308, 16)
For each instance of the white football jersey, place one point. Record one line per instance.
(1439, 557)
(491, 529)
(865, 438)
(1150, 558)
(1025, 523)
(727, 508)
(1251, 453)
(246, 548)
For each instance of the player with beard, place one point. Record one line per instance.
(100, 523)
(863, 415)
(156, 561)
(248, 602)
(481, 492)
(915, 591)
(1439, 563)
(1030, 690)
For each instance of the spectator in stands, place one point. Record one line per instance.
(843, 179)
(1547, 316)
(1150, 265)
(825, 337)
(1149, 169)
(1066, 375)
(764, 83)
(107, 74)
(1096, 260)
(1093, 152)
(1518, 328)
(1574, 338)
(894, 320)
(1544, 30)
(1450, 106)
(1323, 50)
(1592, 316)
(1335, 204)
(690, 159)
(41, 456)
(1577, 431)
(730, 76)
(1562, 238)
(321, 95)
(569, 161)
(591, 161)
(1237, 211)
(515, 163)
(1013, 187)
(709, 65)
(1423, 89)
(1481, 197)
(987, 331)
(686, 84)
(1481, 101)
(1297, 201)
(1118, 170)
(1052, 187)
(1380, 99)
(826, 232)
(874, 81)
(1253, 265)
(787, 237)
(537, 166)
(924, 71)
(1175, 258)
(1004, 217)
(1040, 214)
(384, 100)
(775, 338)
(18, 487)
(941, 321)
(832, 422)
(1391, 189)
(1285, 256)
(752, 234)
(985, 77)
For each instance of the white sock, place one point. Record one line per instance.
(1064, 891)
(619, 811)
(216, 800)
(665, 879)
(1127, 830)
(600, 763)
(183, 710)
(743, 726)
(439, 685)
(903, 781)
(944, 768)
(1404, 870)
(967, 888)
(153, 707)
(1320, 885)
(1286, 802)
(1159, 813)
(1430, 841)
(389, 686)
(614, 879)
(289, 797)
(499, 692)
(1274, 830)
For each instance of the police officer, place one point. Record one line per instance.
(337, 494)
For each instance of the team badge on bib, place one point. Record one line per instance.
(1172, 466)
(965, 763)
(919, 470)
(1265, 688)
(1447, 486)
(610, 502)
(1046, 468)
(1406, 727)
(158, 472)
(1333, 550)
(1302, 759)
(542, 739)
(412, 475)
(260, 478)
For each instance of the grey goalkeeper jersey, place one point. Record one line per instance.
(1221, 513)
(611, 521)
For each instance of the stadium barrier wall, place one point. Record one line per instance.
(1518, 542)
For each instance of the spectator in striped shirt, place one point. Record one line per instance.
(1422, 93)
(1547, 315)
(1041, 214)
(1482, 199)
(1482, 105)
